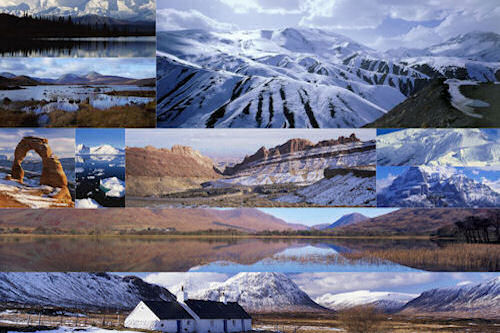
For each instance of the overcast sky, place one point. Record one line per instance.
(53, 68)
(61, 140)
(318, 284)
(380, 24)
(233, 142)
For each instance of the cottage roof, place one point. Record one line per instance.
(217, 310)
(168, 310)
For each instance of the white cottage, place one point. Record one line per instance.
(190, 316)
(161, 316)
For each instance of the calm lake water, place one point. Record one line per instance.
(121, 254)
(126, 47)
(90, 169)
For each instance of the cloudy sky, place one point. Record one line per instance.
(61, 140)
(380, 24)
(55, 67)
(318, 284)
(234, 142)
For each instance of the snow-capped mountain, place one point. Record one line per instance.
(135, 10)
(479, 46)
(78, 290)
(425, 186)
(105, 149)
(482, 299)
(292, 77)
(260, 292)
(447, 147)
(382, 300)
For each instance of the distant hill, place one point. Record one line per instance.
(347, 219)
(115, 220)
(410, 221)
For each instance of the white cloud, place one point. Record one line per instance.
(173, 19)
(263, 7)
(385, 182)
(317, 284)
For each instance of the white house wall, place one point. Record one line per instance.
(187, 326)
(141, 317)
(217, 325)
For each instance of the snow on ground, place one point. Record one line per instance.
(87, 203)
(113, 187)
(438, 146)
(62, 329)
(33, 196)
(461, 102)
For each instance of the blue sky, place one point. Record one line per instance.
(61, 140)
(317, 284)
(488, 176)
(53, 68)
(92, 137)
(380, 24)
(312, 216)
(233, 142)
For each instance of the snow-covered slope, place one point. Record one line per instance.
(78, 290)
(120, 9)
(290, 78)
(447, 147)
(105, 149)
(382, 300)
(482, 299)
(260, 292)
(426, 186)
(479, 46)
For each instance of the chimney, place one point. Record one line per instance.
(183, 295)
(223, 298)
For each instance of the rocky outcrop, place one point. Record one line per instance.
(291, 147)
(179, 161)
(52, 171)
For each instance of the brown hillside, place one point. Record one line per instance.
(410, 221)
(126, 219)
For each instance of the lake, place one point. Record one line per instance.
(127, 47)
(91, 169)
(150, 254)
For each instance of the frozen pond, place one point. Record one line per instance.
(126, 47)
(67, 97)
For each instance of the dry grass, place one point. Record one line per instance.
(361, 319)
(455, 257)
(118, 116)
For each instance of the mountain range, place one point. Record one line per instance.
(256, 292)
(78, 290)
(344, 220)
(425, 186)
(105, 149)
(132, 10)
(301, 77)
(10, 79)
(447, 147)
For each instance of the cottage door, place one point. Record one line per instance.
(225, 326)
(179, 326)
(243, 325)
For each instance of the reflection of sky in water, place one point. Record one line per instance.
(279, 263)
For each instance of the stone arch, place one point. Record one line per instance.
(52, 170)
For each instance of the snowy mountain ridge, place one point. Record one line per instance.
(427, 186)
(292, 77)
(105, 149)
(260, 292)
(134, 10)
(446, 147)
(382, 300)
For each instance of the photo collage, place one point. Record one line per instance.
(271, 166)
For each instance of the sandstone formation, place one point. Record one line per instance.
(52, 171)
